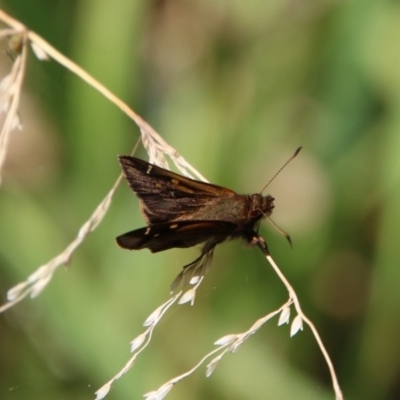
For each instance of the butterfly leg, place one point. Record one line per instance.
(256, 239)
(196, 268)
(262, 244)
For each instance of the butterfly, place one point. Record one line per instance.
(181, 212)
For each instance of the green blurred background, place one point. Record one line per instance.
(235, 87)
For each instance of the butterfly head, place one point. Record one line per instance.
(261, 206)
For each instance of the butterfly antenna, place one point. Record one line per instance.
(281, 168)
(281, 231)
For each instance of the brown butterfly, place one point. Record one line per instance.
(182, 212)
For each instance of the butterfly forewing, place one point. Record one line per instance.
(166, 196)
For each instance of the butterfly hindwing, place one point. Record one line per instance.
(181, 234)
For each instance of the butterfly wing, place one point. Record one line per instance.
(180, 234)
(166, 196)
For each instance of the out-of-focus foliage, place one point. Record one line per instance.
(235, 87)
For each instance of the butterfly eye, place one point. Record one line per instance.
(255, 215)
